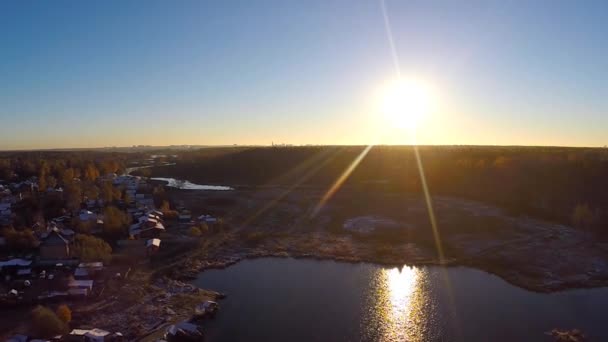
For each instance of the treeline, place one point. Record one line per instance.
(76, 173)
(54, 168)
(568, 185)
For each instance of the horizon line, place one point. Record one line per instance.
(195, 146)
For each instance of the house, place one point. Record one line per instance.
(144, 200)
(78, 292)
(131, 194)
(80, 287)
(185, 216)
(157, 213)
(93, 335)
(150, 219)
(111, 176)
(88, 270)
(94, 266)
(208, 219)
(147, 221)
(24, 272)
(5, 209)
(97, 335)
(152, 246)
(55, 245)
(54, 190)
(62, 219)
(145, 230)
(27, 186)
(18, 267)
(86, 215)
(18, 338)
(92, 203)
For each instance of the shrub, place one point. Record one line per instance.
(583, 217)
(204, 228)
(83, 227)
(64, 313)
(45, 322)
(194, 231)
(90, 248)
(170, 215)
(254, 238)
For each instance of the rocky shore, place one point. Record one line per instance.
(526, 276)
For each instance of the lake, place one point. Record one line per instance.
(283, 299)
(184, 184)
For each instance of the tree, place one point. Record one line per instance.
(6, 169)
(145, 172)
(83, 227)
(42, 182)
(127, 198)
(64, 313)
(107, 192)
(42, 175)
(20, 240)
(159, 195)
(168, 214)
(90, 248)
(91, 191)
(110, 193)
(115, 221)
(91, 173)
(109, 166)
(45, 322)
(67, 176)
(73, 196)
(165, 207)
(51, 182)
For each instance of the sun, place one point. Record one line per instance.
(404, 103)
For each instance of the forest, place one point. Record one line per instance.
(561, 184)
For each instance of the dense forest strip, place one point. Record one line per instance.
(566, 185)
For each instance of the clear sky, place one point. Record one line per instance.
(118, 73)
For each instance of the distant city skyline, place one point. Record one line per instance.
(122, 73)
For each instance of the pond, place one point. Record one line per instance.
(184, 184)
(275, 299)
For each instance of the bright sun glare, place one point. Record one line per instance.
(404, 103)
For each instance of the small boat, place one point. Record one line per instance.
(205, 308)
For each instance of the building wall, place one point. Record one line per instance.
(54, 251)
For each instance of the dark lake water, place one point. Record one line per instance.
(274, 299)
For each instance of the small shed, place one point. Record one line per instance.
(97, 335)
(152, 246)
(81, 284)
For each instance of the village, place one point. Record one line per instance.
(57, 273)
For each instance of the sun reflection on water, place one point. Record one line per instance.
(398, 309)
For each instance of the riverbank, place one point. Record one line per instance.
(331, 248)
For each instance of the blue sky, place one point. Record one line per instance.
(118, 73)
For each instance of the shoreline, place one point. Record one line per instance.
(224, 260)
